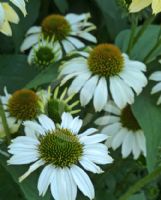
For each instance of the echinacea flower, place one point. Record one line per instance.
(44, 53)
(21, 4)
(102, 71)
(62, 151)
(22, 105)
(138, 5)
(65, 29)
(156, 76)
(123, 130)
(7, 15)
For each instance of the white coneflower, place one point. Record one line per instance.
(7, 15)
(66, 30)
(156, 76)
(123, 130)
(44, 53)
(56, 102)
(21, 4)
(62, 152)
(20, 106)
(102, 71)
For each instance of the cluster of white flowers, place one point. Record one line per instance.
(53, 138)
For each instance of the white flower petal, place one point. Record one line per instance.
(63, 186)
(100, 95)
(88, 90)
(29, 41)
(66, 120)
(127, 144)
(46, 123)
(88, 132)
(78, 82)
(90, 166)
(109, 119)
(156, 76)
(83, 182)
(93, 139)
(31, 169)
(45, 178)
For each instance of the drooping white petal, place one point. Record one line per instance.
(77, 43)
(156, 88)
(121, 93)
(75, 125)
(100, 95)
(118, 138)
(112, 108)
(31, 169)
(63, 186)
(127, 144)
(88, 90)
(78, 82)
(45, 178)
(83, 182)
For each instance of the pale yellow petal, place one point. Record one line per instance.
(6, 29)
(156, 6)
(138, 5)
(11, 15)
(2, 15)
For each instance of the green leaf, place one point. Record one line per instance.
(114, 22)
(143, 46)
(148, 116)
(46, 76)
(20, 29)
(28, 187)
(8, 187)
(62, 5)
(15, 73)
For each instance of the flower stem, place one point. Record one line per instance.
(4, 123)
(141, 183)
(134, 39)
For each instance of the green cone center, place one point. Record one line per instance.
(55, 109)
(60, 148)
(57, 26)
(128, 119)
(105, 60)
(24, 105)
(44, 55)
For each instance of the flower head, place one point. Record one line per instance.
(44, 53)
(63, 151)
(102, 71)
(123, 130)
(22, 105)
(7, 15)
(138, 5)
(65, 29)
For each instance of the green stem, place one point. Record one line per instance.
(131, 39)
(4, 123)
(143, 28)
(134, 39)
(141, 183)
